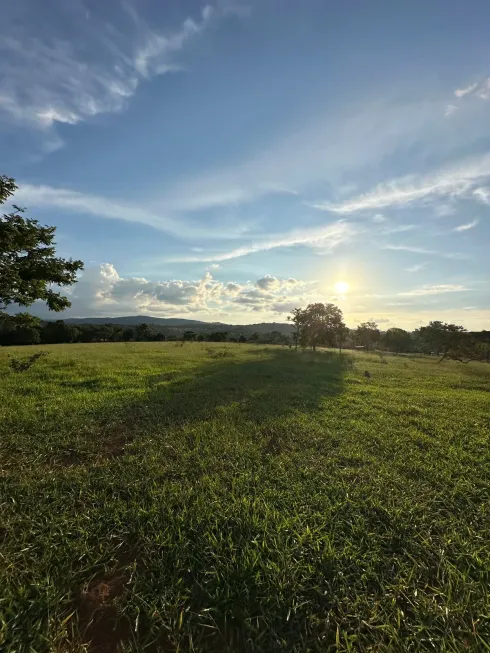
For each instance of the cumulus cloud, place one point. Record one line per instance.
(434, 290)
(268, 282)
(102, 291)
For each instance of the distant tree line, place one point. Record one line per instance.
(319, 325)
(322, 325)
(26, 329)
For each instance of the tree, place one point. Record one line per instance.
(200, 337)
(448, 340)
(367, 334)
(397, 340)
(342, 335)
(28, 265)
(318, 325)
(254, 337)
(242, 339)
(218, 336)
(128, 334)
(142, 332)
(297, 319)
(20, 329)
(58, 332)
(189, 335)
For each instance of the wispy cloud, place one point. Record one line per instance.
(450, 109)
(433, 290)
(95, 69)
(480, 89)
(328, 237)
(423, 250)
(163, 219)
(47, 196)
(327, 148)
(399, 228)
(461, 92)
(451, 182)
(416, 268)
(465, 227)
(483, 91)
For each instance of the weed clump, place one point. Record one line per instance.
(23, 364)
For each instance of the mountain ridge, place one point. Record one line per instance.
(183, 323)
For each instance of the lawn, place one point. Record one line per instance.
(157, 497)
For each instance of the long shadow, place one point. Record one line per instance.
(277, 383)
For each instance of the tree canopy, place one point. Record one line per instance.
(448, 340)
(367, 334)
(319, 325)
(28, 264)
(397, 340)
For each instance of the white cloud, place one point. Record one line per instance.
(48, 80)
(328, 236)
(416, 268)
(451, 182)
(465, 227)
(450, 109)
(423, 250)
(396, 229)
(482, 194)
(119, 209)
(268, 283)
(47, 196)
(483, 91)
(378, 218)
(284, 307)
(461, 92)
(155, 56)
(329, 148)
(443, 210)
(434, 290)
(102, 291)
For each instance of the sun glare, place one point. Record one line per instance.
(341, 287)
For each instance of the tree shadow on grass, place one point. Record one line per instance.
(278, 383)
(244, 406)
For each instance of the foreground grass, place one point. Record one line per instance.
(163, 498)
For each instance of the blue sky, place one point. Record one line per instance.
(232, 160)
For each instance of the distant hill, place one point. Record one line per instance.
(132, 320)
(177, 324)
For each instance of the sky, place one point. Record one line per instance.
(231, 161)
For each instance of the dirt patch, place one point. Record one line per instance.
(102, 626)
(115, 446)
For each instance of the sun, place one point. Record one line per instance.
(342, 287)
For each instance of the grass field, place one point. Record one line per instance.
(202, 498)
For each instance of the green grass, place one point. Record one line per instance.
(201, 498)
